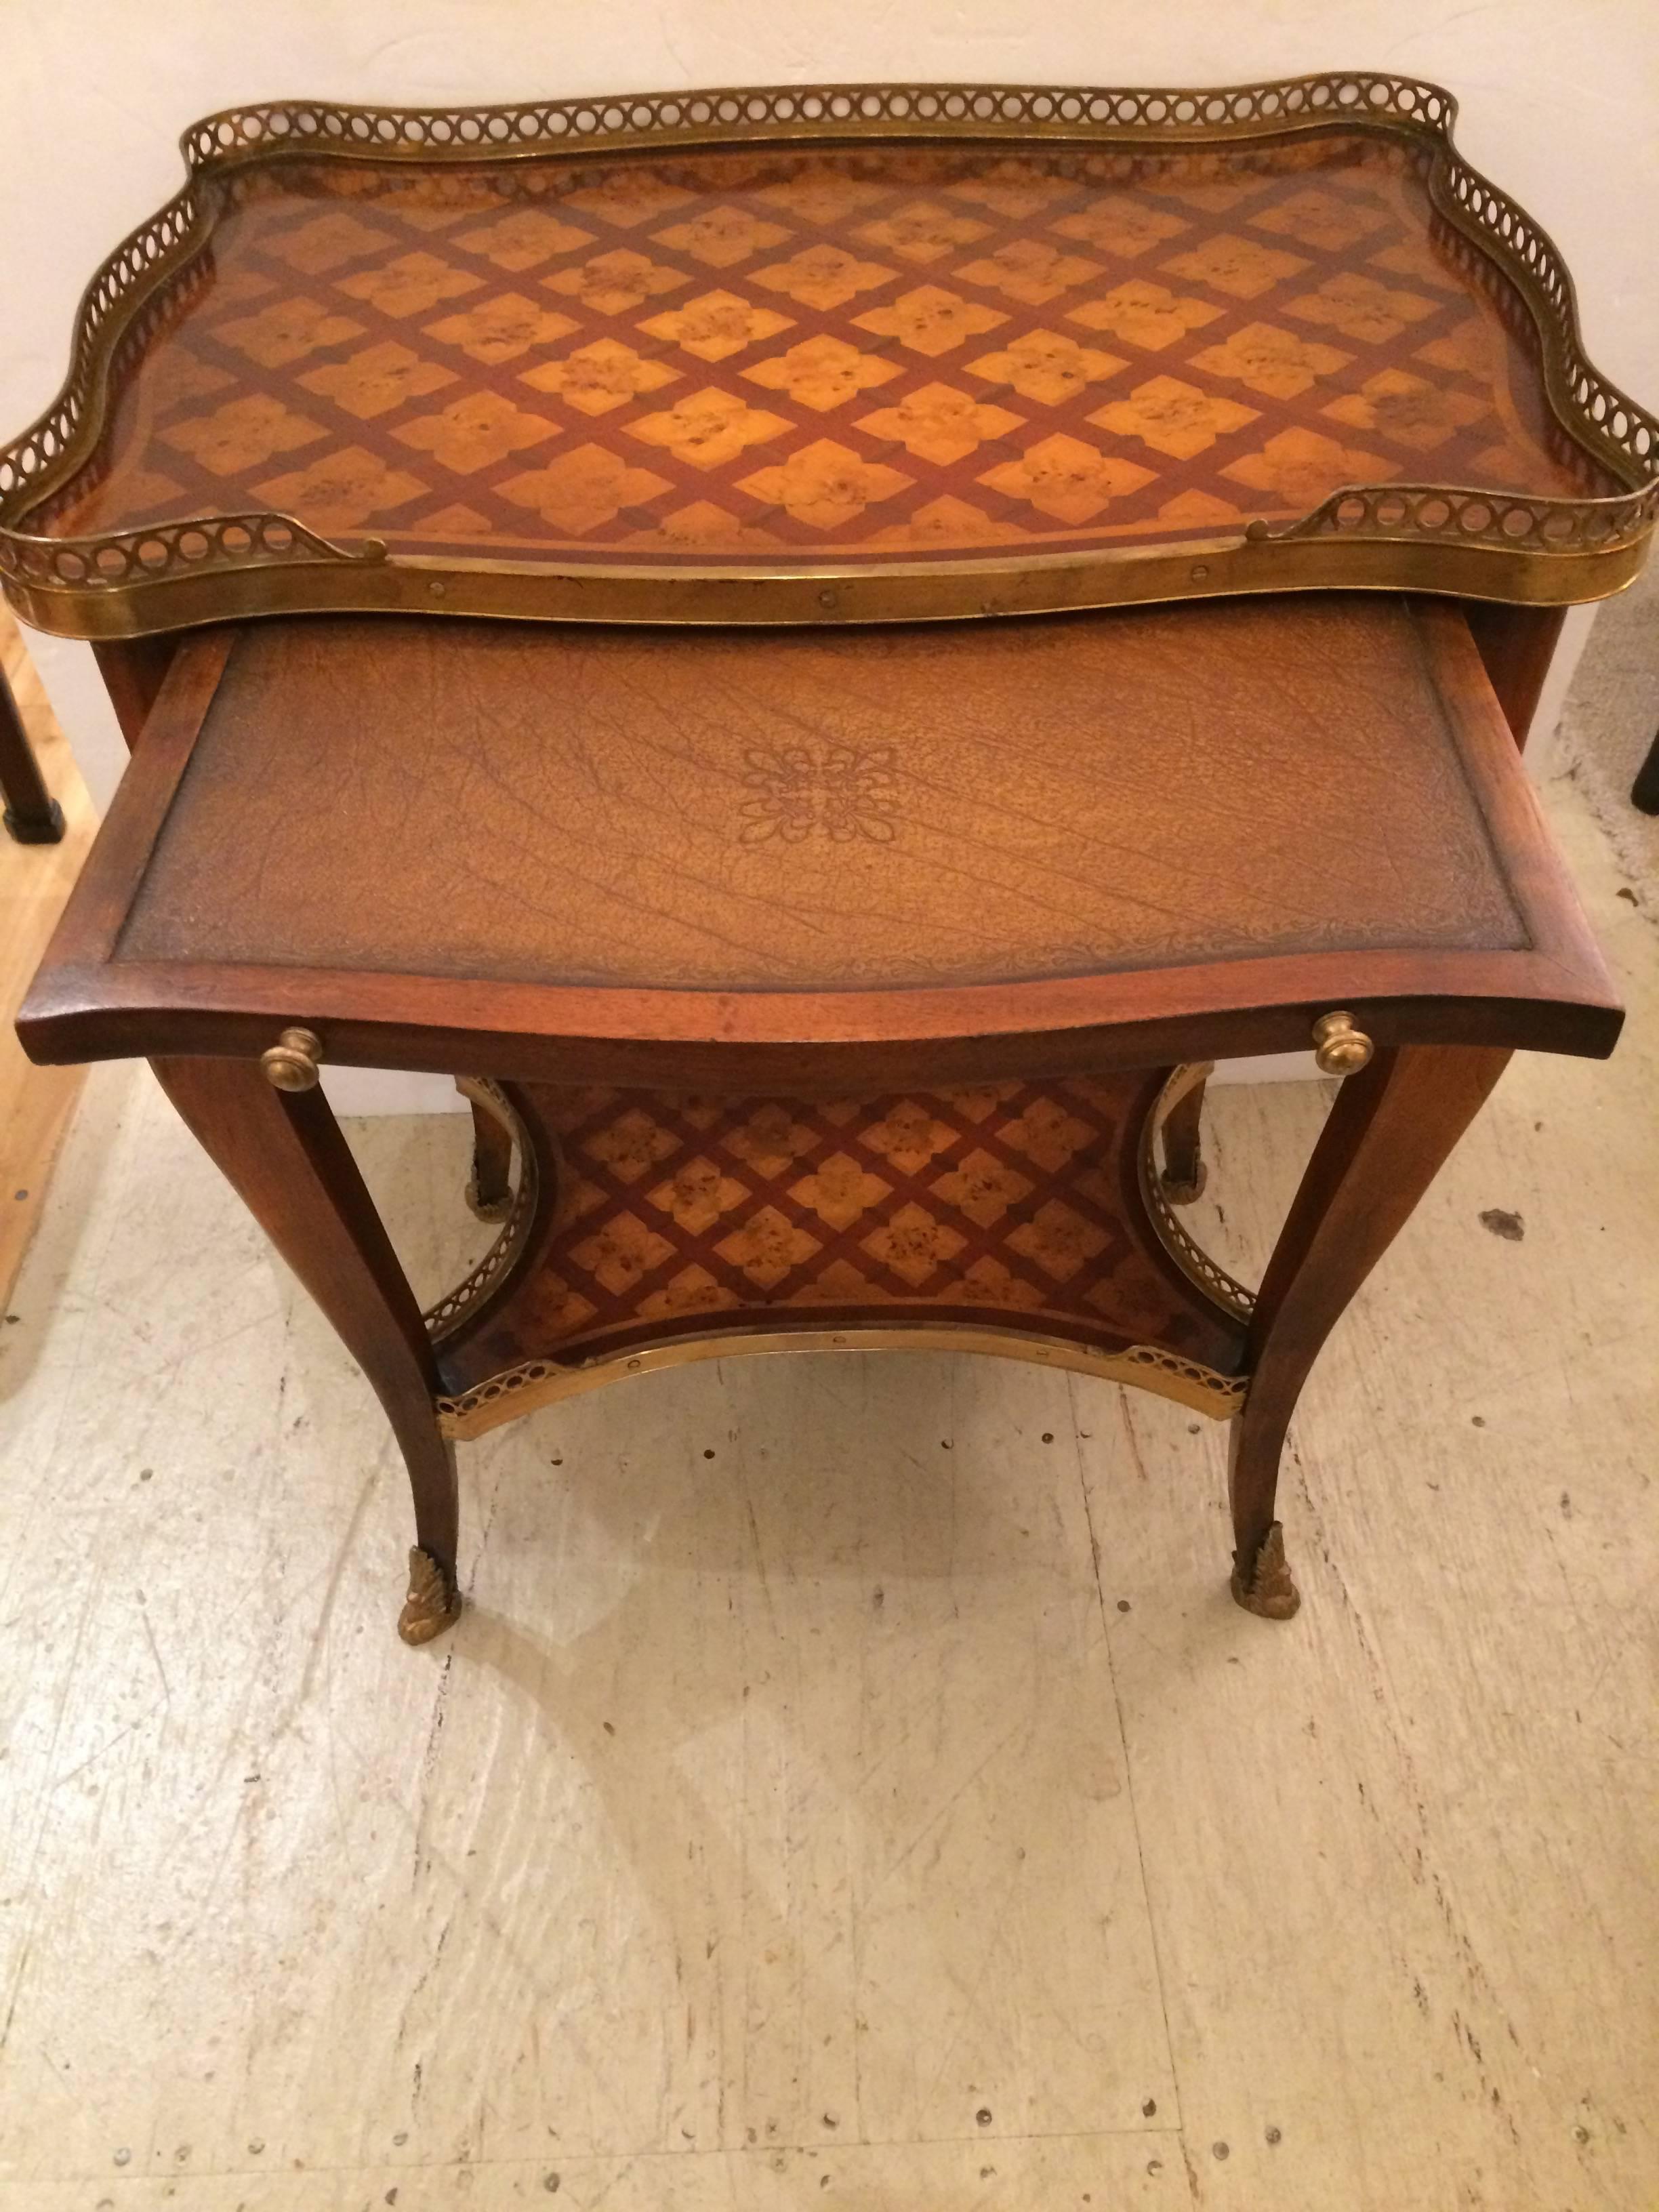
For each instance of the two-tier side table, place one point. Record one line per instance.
(825, 654)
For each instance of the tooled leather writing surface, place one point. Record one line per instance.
(823, 809)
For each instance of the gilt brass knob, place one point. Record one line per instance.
(1339, 1048)
(291, 1062)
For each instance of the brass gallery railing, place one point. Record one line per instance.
(1466, 537)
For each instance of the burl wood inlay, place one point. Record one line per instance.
(885, 810)
(876, 353)
(675, 1215)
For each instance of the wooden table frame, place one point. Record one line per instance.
(1443, 1024)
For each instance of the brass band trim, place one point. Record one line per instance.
(821, 597)
(1463, 539)
(536, 1382)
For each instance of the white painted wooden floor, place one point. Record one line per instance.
(851, 1783)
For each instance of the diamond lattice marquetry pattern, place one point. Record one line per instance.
(867, 352)
(1011, 1203)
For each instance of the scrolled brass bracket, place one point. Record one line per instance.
(291, 1063)
(1340, 1048)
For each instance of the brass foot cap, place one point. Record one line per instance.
(1182, 1192)
(488, 1209)
(1266, 1588)
(433, 1602)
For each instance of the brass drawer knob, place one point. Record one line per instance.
(291, 1062)
(1339, 1048)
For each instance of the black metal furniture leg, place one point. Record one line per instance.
(1644, 792)
(32, 814)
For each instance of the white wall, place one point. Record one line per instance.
(1558, 99)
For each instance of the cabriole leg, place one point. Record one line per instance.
(285, 1155)
(1392, 1127)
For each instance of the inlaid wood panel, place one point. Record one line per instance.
(669, 1217)
(879, 353)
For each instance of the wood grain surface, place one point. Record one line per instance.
(878, 809)
(724, 859)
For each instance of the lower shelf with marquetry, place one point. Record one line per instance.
(1026, 1217)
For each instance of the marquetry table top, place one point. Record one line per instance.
(882, 354)
(919, 363)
